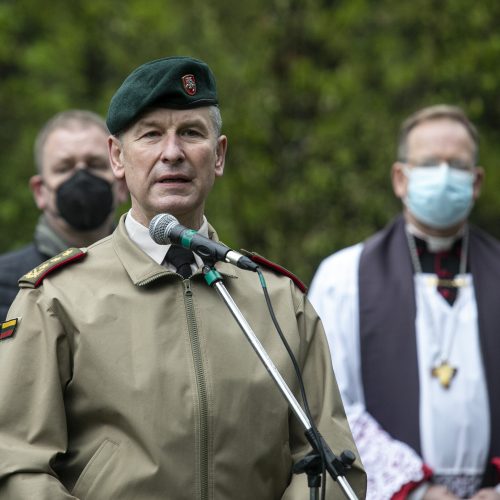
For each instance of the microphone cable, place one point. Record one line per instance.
(298, 373)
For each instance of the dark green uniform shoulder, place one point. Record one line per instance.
(34, 278)
(262, 261)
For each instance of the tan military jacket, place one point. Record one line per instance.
(124, 382)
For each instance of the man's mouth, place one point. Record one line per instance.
(173, 180)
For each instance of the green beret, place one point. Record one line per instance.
(171, 82)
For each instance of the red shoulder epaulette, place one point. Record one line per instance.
(37, 275)
(262, 261)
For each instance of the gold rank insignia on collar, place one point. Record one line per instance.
(34, 278)
(8, 328)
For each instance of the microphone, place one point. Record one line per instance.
(165, 229)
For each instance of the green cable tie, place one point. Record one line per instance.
(212, 276)
(186, 238)
(262, 280)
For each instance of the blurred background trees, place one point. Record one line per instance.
(312, 93)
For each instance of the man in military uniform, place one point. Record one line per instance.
(75, 190)
(124, 376)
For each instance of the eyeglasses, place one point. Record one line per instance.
(455, 163)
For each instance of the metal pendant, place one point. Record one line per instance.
(444, 373)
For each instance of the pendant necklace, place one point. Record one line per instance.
(442, 370)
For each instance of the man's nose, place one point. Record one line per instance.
(80, 165)
(172, 151)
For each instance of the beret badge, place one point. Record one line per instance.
(189, 84)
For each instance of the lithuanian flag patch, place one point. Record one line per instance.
(8, 328)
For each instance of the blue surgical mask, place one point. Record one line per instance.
(439, 196)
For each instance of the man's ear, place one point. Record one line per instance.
(399, 180)
(478, 181)
(116, 157)
(38, 190)
(220, 155)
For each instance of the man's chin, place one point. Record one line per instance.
(185, 214)
(432, 230)
(175, 210)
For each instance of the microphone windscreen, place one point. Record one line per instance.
(160, 227)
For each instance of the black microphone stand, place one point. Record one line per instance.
(311, 464)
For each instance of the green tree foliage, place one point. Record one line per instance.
(312, 94)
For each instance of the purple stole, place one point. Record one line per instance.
(387, 330)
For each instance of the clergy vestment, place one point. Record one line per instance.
(388, 329)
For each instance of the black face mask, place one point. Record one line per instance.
(84, 201)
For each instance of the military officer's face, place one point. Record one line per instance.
(169, 159)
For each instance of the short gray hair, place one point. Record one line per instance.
(63, 120)
(434, 113)
(216, 119)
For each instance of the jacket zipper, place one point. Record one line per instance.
(152, 278)
(201, 385)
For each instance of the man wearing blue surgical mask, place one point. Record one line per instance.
(412, 317)
(75, 190)
(436, 175)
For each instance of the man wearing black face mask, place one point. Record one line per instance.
(75, 190)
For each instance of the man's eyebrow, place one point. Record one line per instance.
(94, 156)
(188, 122)
(193, 122)
(147, 122)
